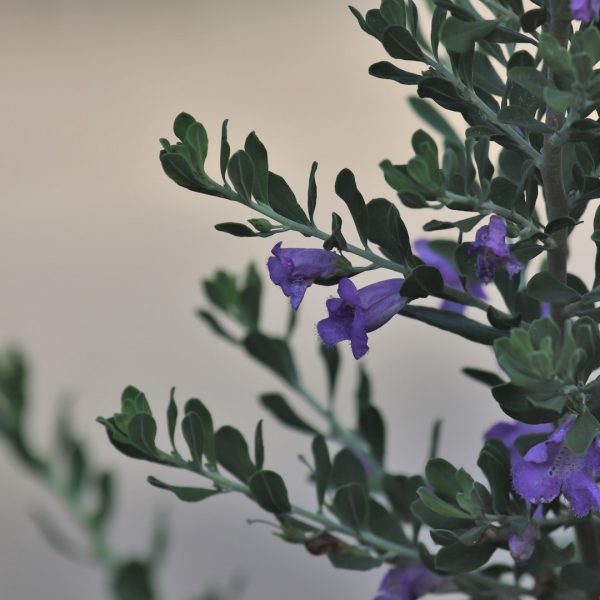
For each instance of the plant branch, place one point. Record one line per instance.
(448, 293)
(376, 542)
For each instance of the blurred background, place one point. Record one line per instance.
(101, 258)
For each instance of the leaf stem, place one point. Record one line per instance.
(376, 542)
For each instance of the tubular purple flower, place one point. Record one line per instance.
(449, 274)
(408, 583)
(492, 251)
(357, 312)
(550, 468)
(294, 270)
(585, 10)
(508, 433)
(521, 547)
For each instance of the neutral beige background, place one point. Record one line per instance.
(101, 255)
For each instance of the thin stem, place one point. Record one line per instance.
(379, 261)
(559, 26)
(486, 111)
(552, 165)
(377, 543)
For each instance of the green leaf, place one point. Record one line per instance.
(530, 79)
(336, 239)
(142, 433)
(533, 19)
(587, 41)
(464, 225)
(312, 192)
(422, 281)
(454, 323)
(544, 286)
(518, 116)
(347, 468)
(208, 437)
(215, 326)
(283, 201)
(582, 433)
(132, 580)
(350, 505)
(258, 153)
(345, 188)
(270, 492)
(399, 43)
(433, 118)
(278, 406)
(460, 36)
(241, 173)
(561, 223)
(331, 357)
(322, 467)
(181, 124)
(441, 507)
(225, 150)
(274, 353)
(500, 320)
(187, 494)
(354, 562)
(363, 390)
(386, 70)
(383, 524)
(486, 377)
(401, 491)
(177, 168)
(196, 139)
(441, 475)
(558, 99)
(494, 461)
(236, 229)
(458, 558)
(372, 427)
(555, 56)
(363, 23)
(233, 454)
(172, 418)
(191, 427)
(259, 447)
(387, 229)
(393, 12)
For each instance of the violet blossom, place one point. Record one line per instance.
(449, 274)
(585, 10)
(492, 251)
(550, 468)
(296, 269)
(521, 546)
(357, 312)
(508, 433)
(408, 583)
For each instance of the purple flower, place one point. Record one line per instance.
(295, 269)
(585, 10)
(493, 251)
(356, 312)
(521, 547)
(550, 468)
(508, 433)
(449, 274)
(408, 583)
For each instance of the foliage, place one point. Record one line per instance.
(523, 78)
(88, 494)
